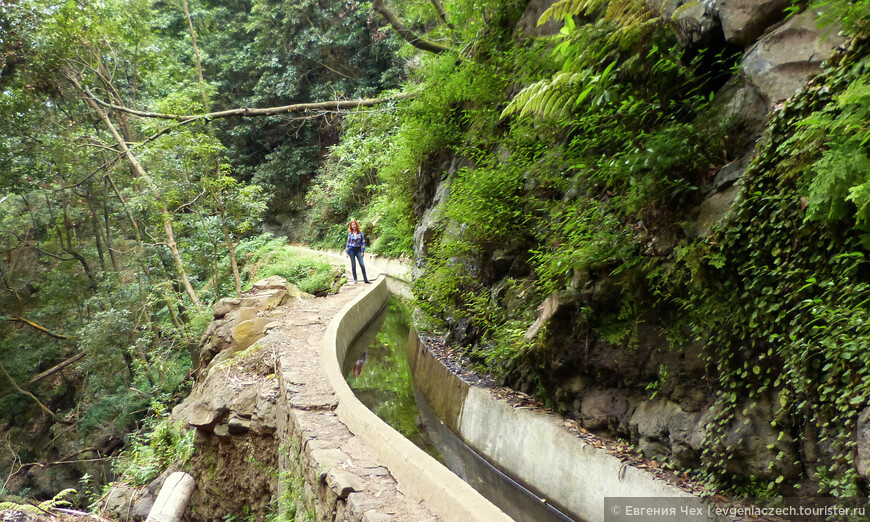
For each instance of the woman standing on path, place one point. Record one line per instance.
(356, 249)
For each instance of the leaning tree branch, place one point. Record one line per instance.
(441, 13)
(32, 396)
(54, 369)
(248, 112)
(37, 327)
(407, 34)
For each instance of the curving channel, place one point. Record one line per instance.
(377, 370)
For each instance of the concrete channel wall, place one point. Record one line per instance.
(420, 476)
(532, 447)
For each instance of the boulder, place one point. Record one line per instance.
(743, 21)
(248, 332)
(740, 112)
(661, 429)
(225, 306)
(755, 446)
(731, 173)
(127, 503)
(693, 20)
(271, 283)
(819, 455)
(785, 59)
(528, 24)
(430, 223)
(712, 210)
(500, 263)
(238, 323)
(546, 311)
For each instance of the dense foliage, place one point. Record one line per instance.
(118, 232)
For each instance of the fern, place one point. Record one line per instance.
(584, 50)
(58, 501)
(633, 20)
(24, 508)
(842, 174)
(557, 96)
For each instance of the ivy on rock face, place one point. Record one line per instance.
(787, 315)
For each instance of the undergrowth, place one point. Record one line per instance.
(265, 256)
(158, 445)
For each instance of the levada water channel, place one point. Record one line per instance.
(377, 370)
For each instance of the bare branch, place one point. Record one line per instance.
(54, 369)
(32, 396)
(189, 203)
(248, 112)
(405, 33)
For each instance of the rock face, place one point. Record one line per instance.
(783, 60)
(431, 223)
(743, 21)
(234, 405)
(239, 322)
(237, 395)
(661, 428)
(127, 503)
(528, 24)
(603, 411)
(233, 408)
(862, 457)
(695, 20)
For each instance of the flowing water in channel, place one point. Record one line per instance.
(377, 371)
(376, 368)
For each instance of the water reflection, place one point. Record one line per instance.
(376, 369)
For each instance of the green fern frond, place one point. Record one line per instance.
(558, 96)
(24, 508)
(632, 18)
(62, 499)
(565, 8)
(541, 97)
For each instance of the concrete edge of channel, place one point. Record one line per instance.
(420, 476)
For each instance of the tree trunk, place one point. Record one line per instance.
(108, 226)
(98, 235)
(441, 13)
(205, 104)
(167, 218)
(232, 248)
(68, 248)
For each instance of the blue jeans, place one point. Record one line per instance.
(355, 254)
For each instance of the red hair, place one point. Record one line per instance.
(351, 224)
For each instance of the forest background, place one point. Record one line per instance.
(517, 164)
